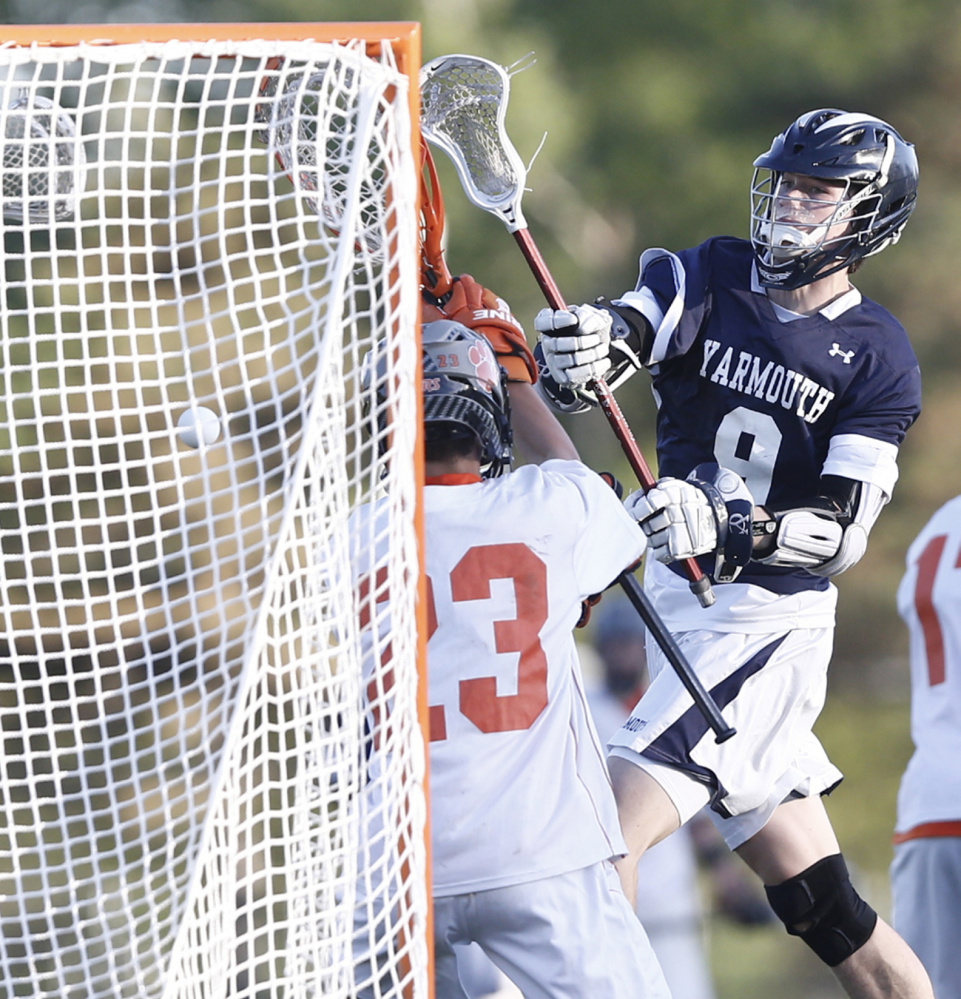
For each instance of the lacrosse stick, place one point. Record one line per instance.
(306, 130)
(463, 109)
(434, 272)
(672, 652)
(313, 154)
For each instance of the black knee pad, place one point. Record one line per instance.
(821, 907)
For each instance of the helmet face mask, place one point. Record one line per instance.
(864, 159)
(804, 234)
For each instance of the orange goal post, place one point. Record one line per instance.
(212, 749)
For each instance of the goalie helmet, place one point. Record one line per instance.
(465, 392)
(879, 171)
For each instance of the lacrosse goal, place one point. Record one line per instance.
(212, 780)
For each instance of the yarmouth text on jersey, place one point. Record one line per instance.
(770, 381)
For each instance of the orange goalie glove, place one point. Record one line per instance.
(480, 309)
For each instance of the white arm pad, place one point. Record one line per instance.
(810, 540)
(804, 539)
(855, 541)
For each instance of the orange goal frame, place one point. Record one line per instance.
(405, 40)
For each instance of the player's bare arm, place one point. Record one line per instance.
(537, 431)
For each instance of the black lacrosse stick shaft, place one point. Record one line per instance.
(666, 642)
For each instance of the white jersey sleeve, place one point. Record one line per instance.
(605, 538)
(864, 459)
(929, 600)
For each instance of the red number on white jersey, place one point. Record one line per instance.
(479, 700)
(928, 562)
(371, 591)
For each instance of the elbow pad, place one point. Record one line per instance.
(802, 539)
(854, 543)
(864, 507)
(825, 539)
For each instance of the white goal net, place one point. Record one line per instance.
(206, 789)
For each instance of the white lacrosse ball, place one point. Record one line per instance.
(199, 425)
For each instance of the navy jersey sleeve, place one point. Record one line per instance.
(680, 283)
(884, 398)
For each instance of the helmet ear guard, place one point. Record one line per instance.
(880, 172)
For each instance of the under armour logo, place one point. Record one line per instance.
(836, 351)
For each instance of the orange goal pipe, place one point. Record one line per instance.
(56, 35)
(404, 38)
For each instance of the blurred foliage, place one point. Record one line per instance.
(653, 114)
(650, 116)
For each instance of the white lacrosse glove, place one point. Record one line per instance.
(712, 510)
(575, 343)
(677, 517)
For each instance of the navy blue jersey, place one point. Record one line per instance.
(764, 397)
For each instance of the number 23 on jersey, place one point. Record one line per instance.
(478, 699)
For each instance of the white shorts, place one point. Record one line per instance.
(571, 936)
(771, 689)
(926, 885)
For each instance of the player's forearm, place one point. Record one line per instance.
(537, 432)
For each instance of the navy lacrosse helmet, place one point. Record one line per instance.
(879, 171)
(465, 392)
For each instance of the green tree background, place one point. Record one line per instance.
(650, 115)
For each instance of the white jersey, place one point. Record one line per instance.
(929, 600)
(741, 608)
(519, 788)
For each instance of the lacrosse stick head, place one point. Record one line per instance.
(463, 108)
(312, 137)
(43, 160)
